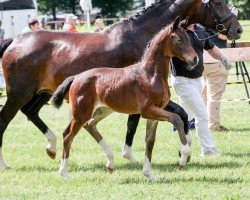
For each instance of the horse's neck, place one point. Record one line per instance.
(161, 16)
(155, 63)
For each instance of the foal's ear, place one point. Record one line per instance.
(176, 23)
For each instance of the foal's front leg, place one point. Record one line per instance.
(159, 114)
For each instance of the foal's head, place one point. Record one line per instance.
(177, 44)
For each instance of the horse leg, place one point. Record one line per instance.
(7, 113)
(31, 110)
(68, 137)
(159, 114)
(132, 124)
(150, 140)
(99, 115)
(177, 109)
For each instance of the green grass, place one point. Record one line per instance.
(34, 175)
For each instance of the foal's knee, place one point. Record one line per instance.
(177, 121)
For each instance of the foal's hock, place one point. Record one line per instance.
(140, 88)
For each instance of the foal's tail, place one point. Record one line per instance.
(58, 96)
(4, 45)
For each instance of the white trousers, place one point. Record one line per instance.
(189, 92)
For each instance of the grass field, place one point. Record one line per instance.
(34, 175)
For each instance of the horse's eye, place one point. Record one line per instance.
(218, 3)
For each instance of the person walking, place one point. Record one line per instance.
(214, 84)
(187, 84)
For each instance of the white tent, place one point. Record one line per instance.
(86, 6)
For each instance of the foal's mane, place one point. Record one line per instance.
(155, 42)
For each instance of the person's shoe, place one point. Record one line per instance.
(210, 152)
(220, 129)
(191, 124)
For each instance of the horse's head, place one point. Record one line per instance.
(178, 45)
(216, 14)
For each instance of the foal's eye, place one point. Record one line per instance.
(178, 38)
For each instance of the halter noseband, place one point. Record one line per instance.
(219, 22)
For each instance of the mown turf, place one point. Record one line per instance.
(34, 175)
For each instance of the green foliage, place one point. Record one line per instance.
(243, 6)
(111, 7)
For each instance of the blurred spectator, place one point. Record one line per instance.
(1, 31)
(99, 25)
(33, 26)
(70, 23)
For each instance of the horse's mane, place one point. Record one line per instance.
(144, 11)
(158, 38)
(157, 4)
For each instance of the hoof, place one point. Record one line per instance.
(5, 167)
(110, 170)
(180, 167)
(64, 175)
(131, 158)
(188, 159)
(51, 154)
(153, 179)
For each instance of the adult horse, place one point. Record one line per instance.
(139, 88)
(34, 64)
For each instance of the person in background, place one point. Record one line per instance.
(1, 31)
(214, 84)
(187, 84)
(99, 25)
(33, 26)
(70, 23)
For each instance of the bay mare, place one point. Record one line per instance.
(34, 64)
(141, 88)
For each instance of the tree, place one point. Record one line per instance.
(45, 6)
(243, 6)
(110, 8)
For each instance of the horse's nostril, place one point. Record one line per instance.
(195, 59)
(240, 30)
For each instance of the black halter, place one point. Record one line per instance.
(220, 27)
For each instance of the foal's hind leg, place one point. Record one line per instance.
(31, 110)
(150, 140)
(99, 115)
(68, 136)
(132, 124)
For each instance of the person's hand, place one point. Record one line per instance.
(234, 10)
(225, 62)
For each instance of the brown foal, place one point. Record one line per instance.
(139, 88)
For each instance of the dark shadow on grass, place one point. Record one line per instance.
(36, 169)
(237, 155)
(240, 129)
(203, 180)
(163, 167)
